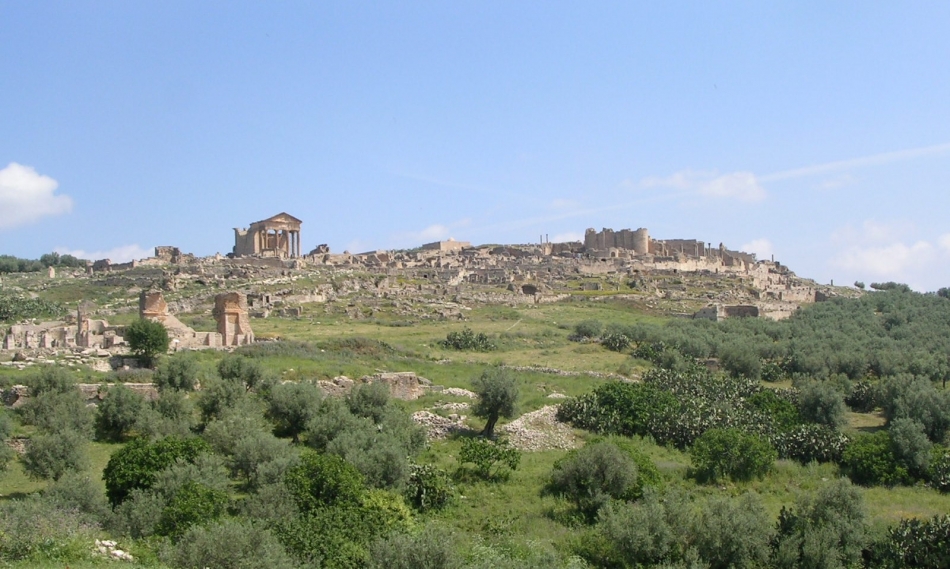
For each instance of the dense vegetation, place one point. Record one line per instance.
(11, 264)
(752, 460)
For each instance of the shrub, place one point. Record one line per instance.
(784, 413)
(57, 411)
(740, 361)
(615, 342)
(291, 406)
(592, 475)
(428, 488)
(432, 548)
(137, 463)
(380, 457)
(369, 400)
(916, 543)
(51, 379)
(820, 402)
(825, 529)
(217, 397)
(733, 533)
(870, 460)
(51, 456)
(138, 514)
(37, 529)
(249, 372)
(467, 340)
(618, 408)
(118, 412)
(938, 475)
(910, 446)
(730, 453)
(77, 492)
(587, 330)
(192, 504)
(490, 458)
(178, 372)
(811, 442)
(864, 397)
(322, 480)
(255, 453)
(229, 544)
(497, 397)
(648, 532)
(147, 339)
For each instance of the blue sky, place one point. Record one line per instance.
(815, 131)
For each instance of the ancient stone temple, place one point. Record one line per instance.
(230, 310)
(277, 236)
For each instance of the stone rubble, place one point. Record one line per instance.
(540, 430)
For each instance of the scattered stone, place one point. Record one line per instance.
(459, 392)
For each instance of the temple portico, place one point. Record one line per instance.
(277, 236)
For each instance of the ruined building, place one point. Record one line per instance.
(277, 236)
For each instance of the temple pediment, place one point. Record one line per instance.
(281, 218)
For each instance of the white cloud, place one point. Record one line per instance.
(120, 254)
(569, 236)
(739, 185)
(873, 232)
(26, 196)
(742, 186)
(762, 248)
(894, 261)
(890, 251)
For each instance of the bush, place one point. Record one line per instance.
(432, 548)
(51, 456)
(369, 400)
(910, 446)
(192, 504)
(147, 339)
(57, 411)
(869, 460)
(380, 457)
(497, 397)
(323, 480)
(291, 406)
(615, 342)
(587, 330)
(740, 361)
(491, 458)
(825, 529)
(651, 531)
(820, 402)
(467, 340)
(37, 529)
(219, 396)
(938, 475)
(136, 464)
(591, 476)
(730, 453)
(811, 442)
(77, 492)
(178, 372)
(864, 397)
(428, 488)
(257, 454)
(733, 533)
(249, 372)
(916, 543)
(118, 412)
(229, 544)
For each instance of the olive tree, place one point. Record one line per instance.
(497, 397)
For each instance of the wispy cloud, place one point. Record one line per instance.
(872, 160)
(26, 196)
(569, 236)
(120, 254)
